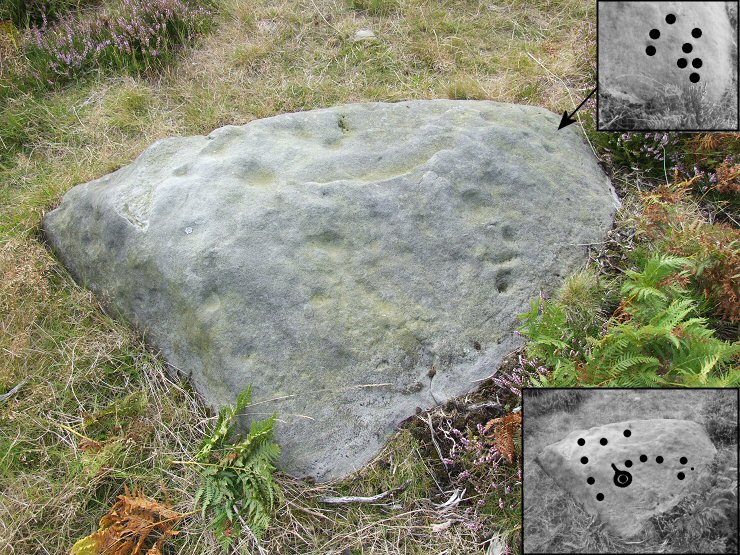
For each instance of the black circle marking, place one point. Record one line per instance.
(696, 62)
(599, 497)
(659, 459)
(628, 463)
(590, 481)
(650, 50)
(581, 441)
(682, 63)
(622, 478)
(643, 458)
(692, 468)
(694, 77)
(680, 476)
(584, 460)
(696, 32)
(687, 47)
(683, 460)
(603, 441)
(627, 433)
(670, 19)
(654, 34)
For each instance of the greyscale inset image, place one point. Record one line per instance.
(667, 66)
(630, 470)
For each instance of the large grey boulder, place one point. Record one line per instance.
(333, 258)
(628, 472)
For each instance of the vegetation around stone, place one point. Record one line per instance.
(92, 410)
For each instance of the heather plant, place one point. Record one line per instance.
(484, 462)
(138, 35)
(24, 13)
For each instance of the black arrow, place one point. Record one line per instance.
(568, 119)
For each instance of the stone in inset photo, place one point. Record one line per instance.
(667, 66)
(624, 467)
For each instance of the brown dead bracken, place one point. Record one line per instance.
(503, 430)
(127, 528)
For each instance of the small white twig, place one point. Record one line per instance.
(5, 396)
(357, 499)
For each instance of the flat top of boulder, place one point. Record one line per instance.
(627, 472)
(333, 257)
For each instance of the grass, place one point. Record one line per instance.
(681, 109)
(556, 523)
(97, 410)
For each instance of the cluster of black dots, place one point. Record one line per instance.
(622, 478)
(687, 48)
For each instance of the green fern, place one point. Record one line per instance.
(657, 338)
(238, 477)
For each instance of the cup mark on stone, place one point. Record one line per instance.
(503, 281)
(507, 232)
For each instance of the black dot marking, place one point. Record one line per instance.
(599, 497)
(670, 19)
(603, 441)
(581, 442)
(590, 481)
(683, 460)
(687, 47)
(694, 77)
(643, 458)
(659, 459)
(622, 479)
(584, 460)
(692, 468)
(627, 433)
(696, 62)
(650, 50)
(696, 32)
(682, 63)
(680, 476)
(628, 463)
(654, 34)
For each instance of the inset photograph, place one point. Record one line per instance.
(630, 470)
(667, 66)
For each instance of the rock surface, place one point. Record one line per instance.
(627, 472)
(625, 68)
(332, 258)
